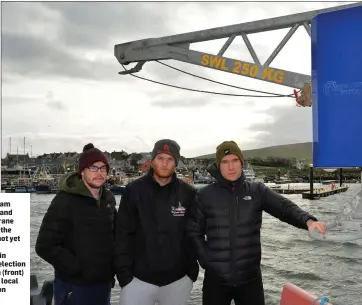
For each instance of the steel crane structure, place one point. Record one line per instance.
(177, 47)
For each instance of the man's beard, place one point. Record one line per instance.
(163, 174)
(94, 186)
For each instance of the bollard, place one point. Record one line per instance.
(43, 296)
(311, 188)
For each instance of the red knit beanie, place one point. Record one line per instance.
(89, 156)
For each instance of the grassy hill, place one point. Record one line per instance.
(297, 150)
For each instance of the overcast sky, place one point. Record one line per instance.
(61, 88)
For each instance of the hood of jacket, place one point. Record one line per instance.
(70, 183)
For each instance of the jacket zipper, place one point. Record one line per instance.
(237, 207)
(233, 237)
(98, 203)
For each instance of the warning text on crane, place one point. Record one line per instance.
(14, 248)
(243, 68)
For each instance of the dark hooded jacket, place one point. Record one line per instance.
(151, 242)
(230, 215)
(77, 233)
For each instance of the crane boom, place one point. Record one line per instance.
(177, 47)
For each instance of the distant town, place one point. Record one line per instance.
(121, 161)
(41, 174)
(291, 161)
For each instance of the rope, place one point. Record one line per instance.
(322, 300)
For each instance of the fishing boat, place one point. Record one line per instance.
(43, 181)
(250, 174)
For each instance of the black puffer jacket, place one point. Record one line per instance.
(151, 241)
(77, 234)
(230, 215)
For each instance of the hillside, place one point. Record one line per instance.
(297, 150)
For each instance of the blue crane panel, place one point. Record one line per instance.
(337, 88)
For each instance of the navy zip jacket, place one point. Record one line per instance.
(230, 216)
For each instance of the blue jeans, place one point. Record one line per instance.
(70, 294)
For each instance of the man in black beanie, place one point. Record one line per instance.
(77, 233)
(169, 147)
(154, 262)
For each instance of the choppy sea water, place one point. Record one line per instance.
(288, 255)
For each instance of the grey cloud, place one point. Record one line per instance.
(235, 102)
(17, 126)
(8, 100)
(89, 24)
(103, 24)
(17, 15)
(57, 105)
(201, 101)
(29, 56)
(180, 103)
(9, 78)
(291, 125)
(272, 9)
(199, 150)
(83, 27)
(50, 95)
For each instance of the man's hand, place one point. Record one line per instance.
(320, 226)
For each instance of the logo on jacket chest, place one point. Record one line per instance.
(178, 211)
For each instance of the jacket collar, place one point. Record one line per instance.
(215, 172)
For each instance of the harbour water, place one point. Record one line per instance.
(289, 255)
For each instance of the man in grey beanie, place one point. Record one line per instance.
(153, 260)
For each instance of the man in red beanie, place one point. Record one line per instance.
(154, 262)
(77, 234)
(229, 213)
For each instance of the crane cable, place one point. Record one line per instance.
(220, 83)
(205, 91)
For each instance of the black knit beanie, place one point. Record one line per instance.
(89, 156)
(167, 146)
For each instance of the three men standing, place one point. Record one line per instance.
(154, 242)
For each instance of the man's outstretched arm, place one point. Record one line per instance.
(287, 211)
